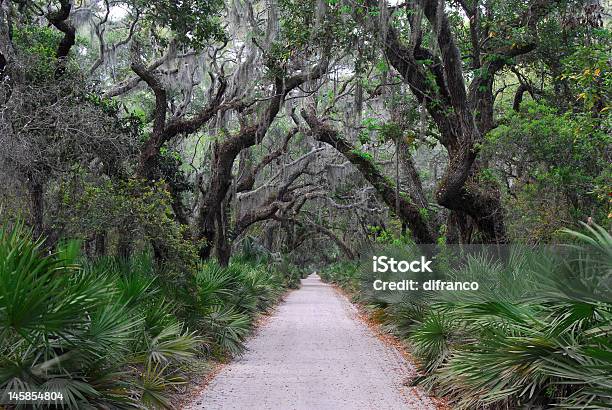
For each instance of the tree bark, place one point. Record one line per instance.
(463, 115)
(222, 245)
(60, 20)
(6, 47)
(415, 187)
(100, 244)
(124, 245)
(408, 211)
(226, 152)
(346, 250)
(37, 208)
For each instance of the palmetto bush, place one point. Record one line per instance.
(344, 274)
(110, 333)
(230, 297)
(100, 337)
(290, 273)
(548, 341)
(538, 333)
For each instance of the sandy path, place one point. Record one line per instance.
(314, 354)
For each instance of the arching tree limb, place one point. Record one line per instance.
(164, 130)
(226, 152)
(247, 179)
(320, 228)
(60, 20)
(408, 212)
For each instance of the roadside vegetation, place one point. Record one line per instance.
(113, 333)
(538, 334)
(165, 165)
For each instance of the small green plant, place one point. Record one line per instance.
(110, 333)
(363, 155)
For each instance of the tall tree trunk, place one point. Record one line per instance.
(100, 244)
(37, 207)
(225, 153)
(6, 46)
(415, 187)
(459, 228)
(210, 208)
(222, 245)
(124, 245)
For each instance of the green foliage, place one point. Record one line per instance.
(369, 125)
(193, 22)
(303, 31)
(391, 131)
(38, 45)
(568, 153)
(169, 170)
(290, 272)
(391, 236)
(366, 156)
(537, 334)
(41, 41)
(228, 299)
(133, 206)
(345, 274)
(486, 175)
(386, 131)
(588, 71)
(108, 333)
(131, 123)
(296, 24)
(84, 331)
(432, 339)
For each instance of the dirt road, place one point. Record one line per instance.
(314, 354)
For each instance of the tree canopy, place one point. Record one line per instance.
(287, 122)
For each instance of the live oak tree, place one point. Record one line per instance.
(289, 121)
(425, 52)
(202, 152)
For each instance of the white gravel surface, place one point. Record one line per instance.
(314, 354)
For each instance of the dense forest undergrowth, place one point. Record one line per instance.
(167, 170)
(536, 335)
(115, 333)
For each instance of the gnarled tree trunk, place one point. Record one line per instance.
(226, 151)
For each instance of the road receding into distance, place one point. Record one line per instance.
(314, 353)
